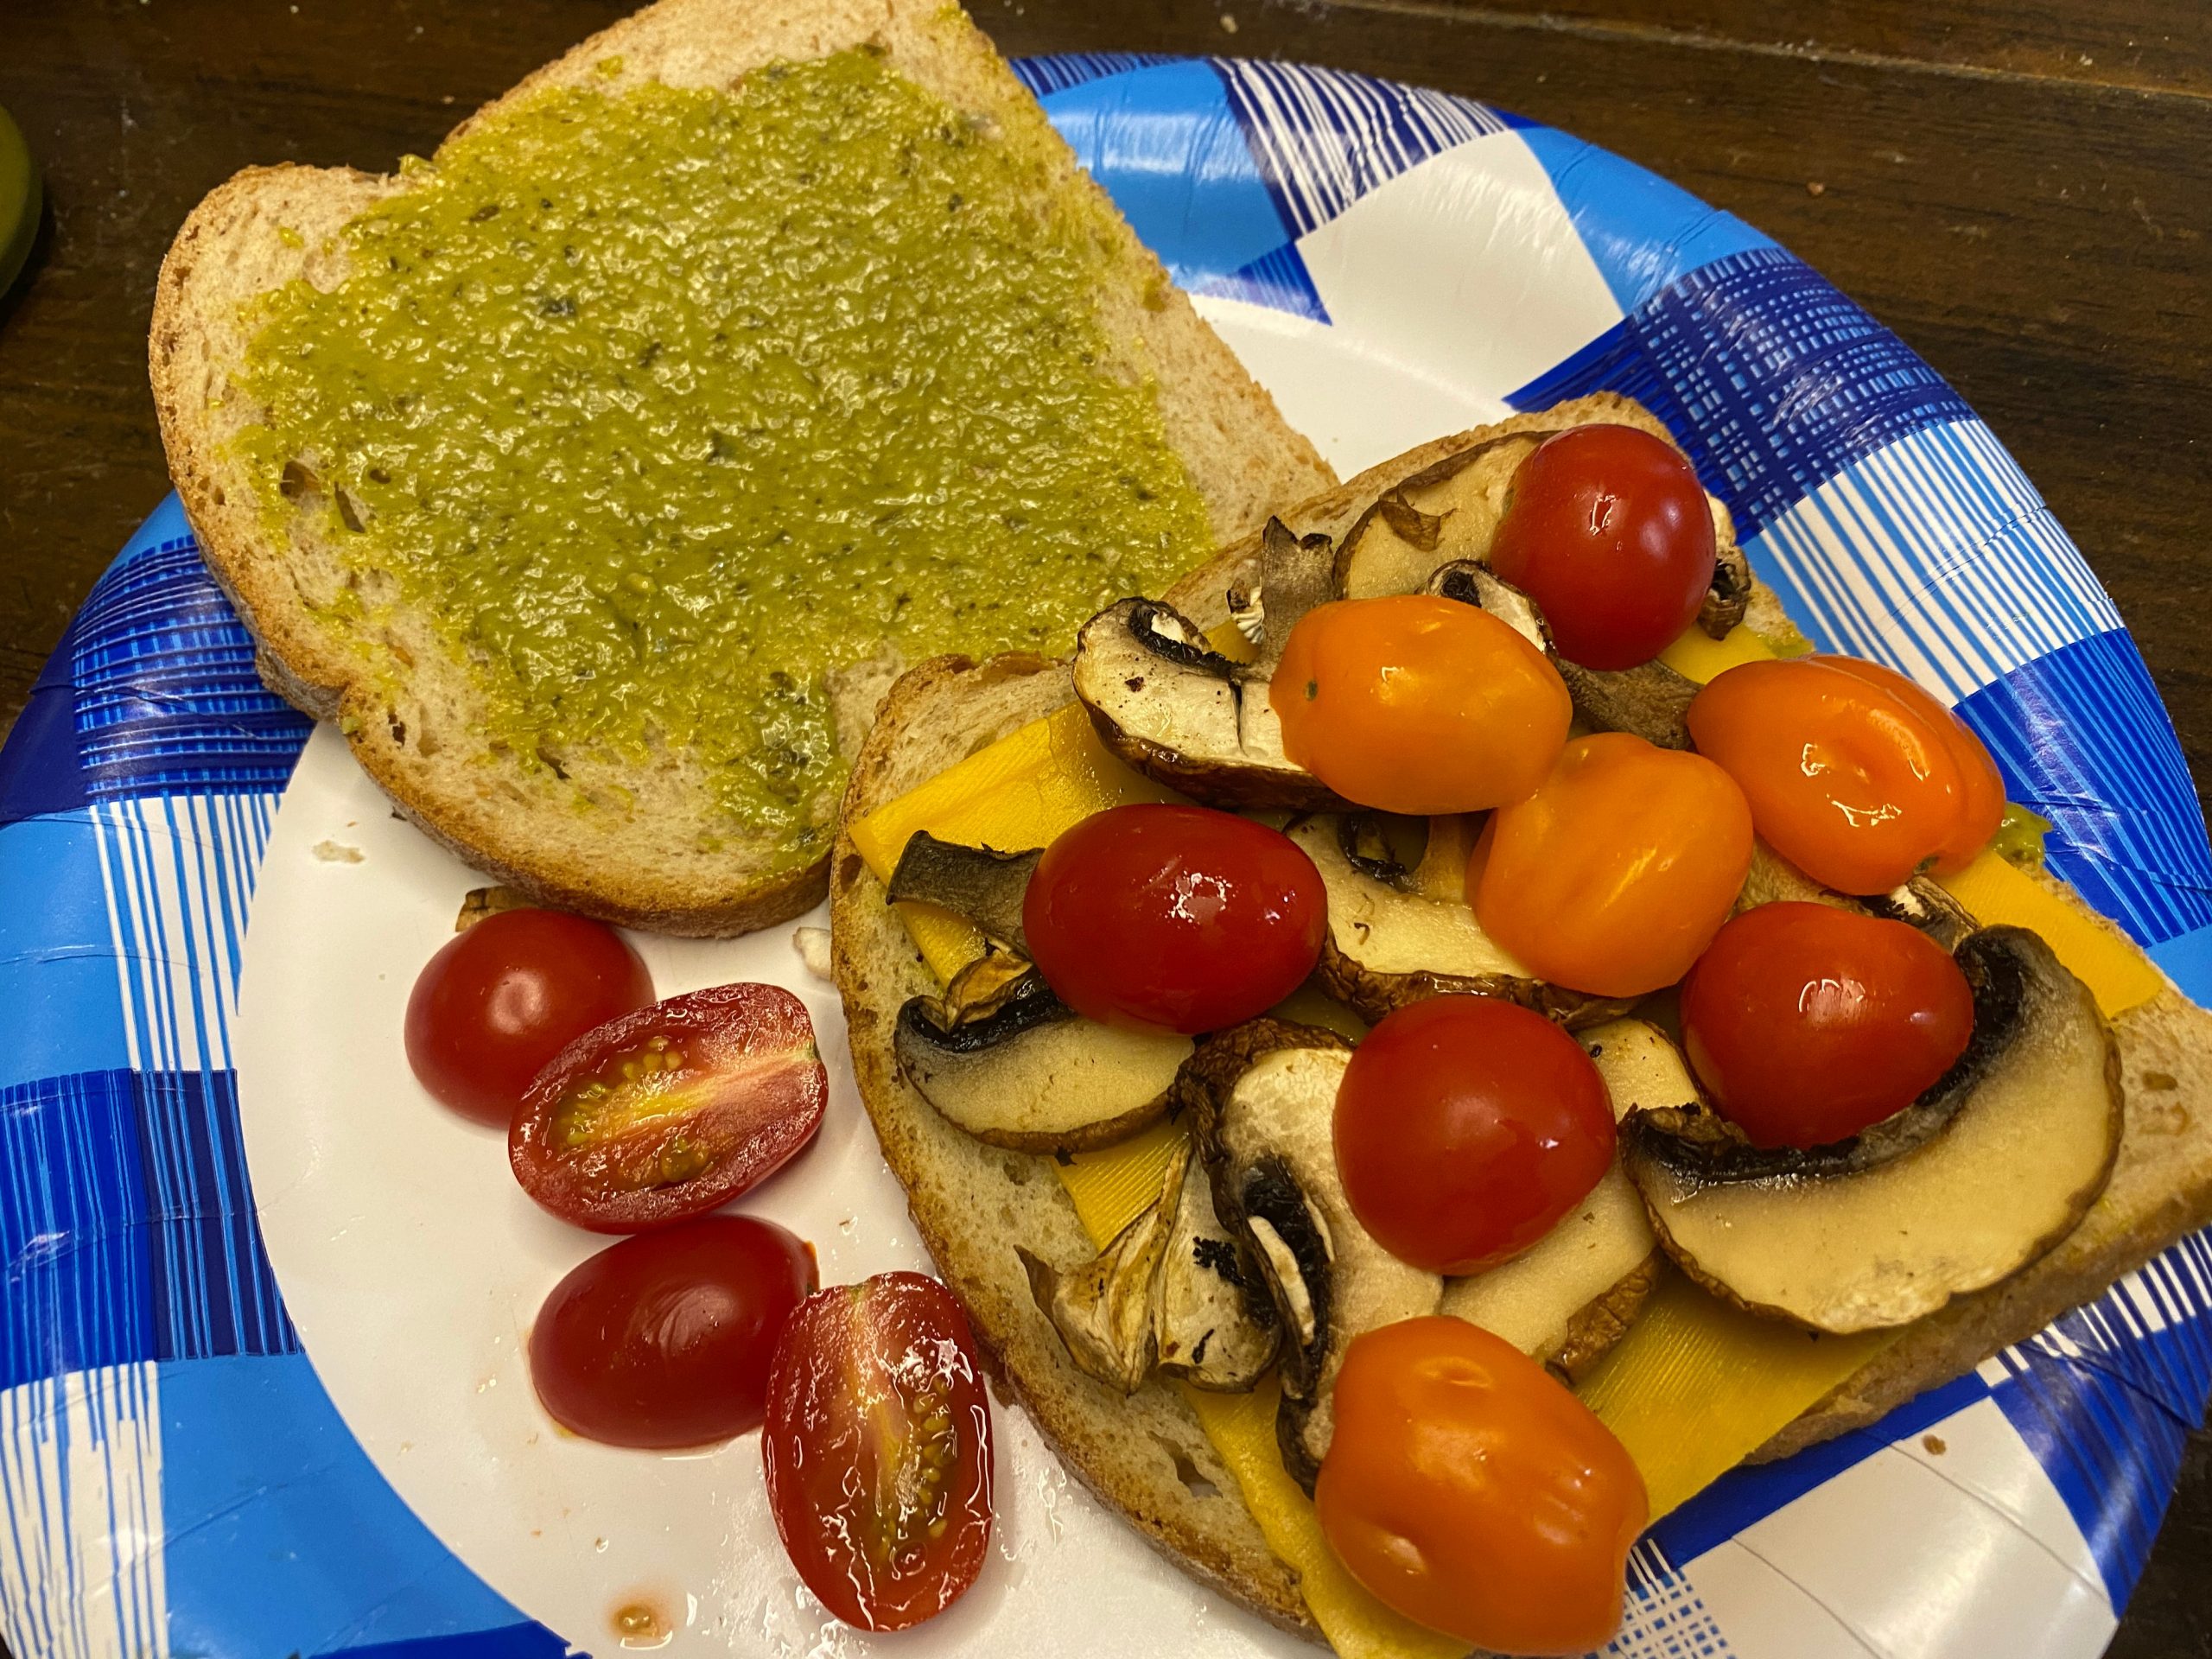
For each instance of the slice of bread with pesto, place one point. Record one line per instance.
(978, 1206)
(598, 475)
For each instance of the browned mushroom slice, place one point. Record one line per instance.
(1103, 1309)
(1265, 1100)
(1986, 1172)
(1730, 596)
(1571, 1295)
(1391, 941)
(1921, 902)
(1183, 714)
(1651, 701)
(1448, 511)
(973, 883)
(1003, 1058)
(1213, 1318)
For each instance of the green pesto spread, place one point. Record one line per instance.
(669, 403)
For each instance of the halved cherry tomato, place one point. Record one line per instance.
(1614, 875)
(878, 1450)
(1466, 1127)
(1608, 530)
(500, 999)
(1175, 916)
(672, 1110)
(1471, 1491)
(1418, 704)
(1854, 774)
(664, 1339)
(1806, 1022)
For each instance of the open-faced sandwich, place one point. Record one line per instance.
(1435, 1037)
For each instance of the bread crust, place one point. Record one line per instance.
(609, 858)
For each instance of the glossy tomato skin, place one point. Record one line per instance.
(1175, 916)
(1805, 1023)
(503, 998)
(1466, 1127)
(1854, 775)
(1616, 873)
(1418, 704)
(1608, 530)
(672, 1110)
(1981, 788)
(664, 1340)
(877, 1450)
(1470, 1491)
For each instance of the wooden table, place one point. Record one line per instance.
(2018, 187)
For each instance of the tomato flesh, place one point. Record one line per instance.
(1617, 872)
(1470, 1491)
(664, 1339)
(1466, 1127)
(500, 1000)
(1805, 1023)
(672, 1110)
(1418, 705)
(1608, 530)
(1175, 916)
(877, 1450)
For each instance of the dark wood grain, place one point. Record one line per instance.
(2019, 188)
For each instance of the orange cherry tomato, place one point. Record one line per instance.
(1854, 774)
(1417, 704)
(1616, 873)
(1982, 790)
(1471, 1491)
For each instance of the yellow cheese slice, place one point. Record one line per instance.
(1694, 1388)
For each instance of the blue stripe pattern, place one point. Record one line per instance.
(2082, 739)
(127, 1226)
(1278, 280)
(1045, 76)
(2108, 1397)
(1772, 380)
(1325, 138)
(1934, 554)
(167, 696)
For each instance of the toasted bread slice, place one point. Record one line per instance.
(637, 843)
(974, 1204)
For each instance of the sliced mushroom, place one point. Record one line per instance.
(983, 886)
(1390, 943)
(1004, 1059)
(1264, 1098)
(1446, 511)
(1213, 1320)
(1184, 714)
(1571, 1295)
(1983, 1174)
(1730, 596)
(1921, 902)
(1103, 1309)
(1651, 701)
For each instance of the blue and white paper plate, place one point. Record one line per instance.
(260, 1391)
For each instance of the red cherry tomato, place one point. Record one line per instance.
(1175, 916)
(1465, 1129)
(664, 1340)
(878, 1450)
(1608, 530)
(500, 1000)
(671, 1111)
(1805, 1023)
